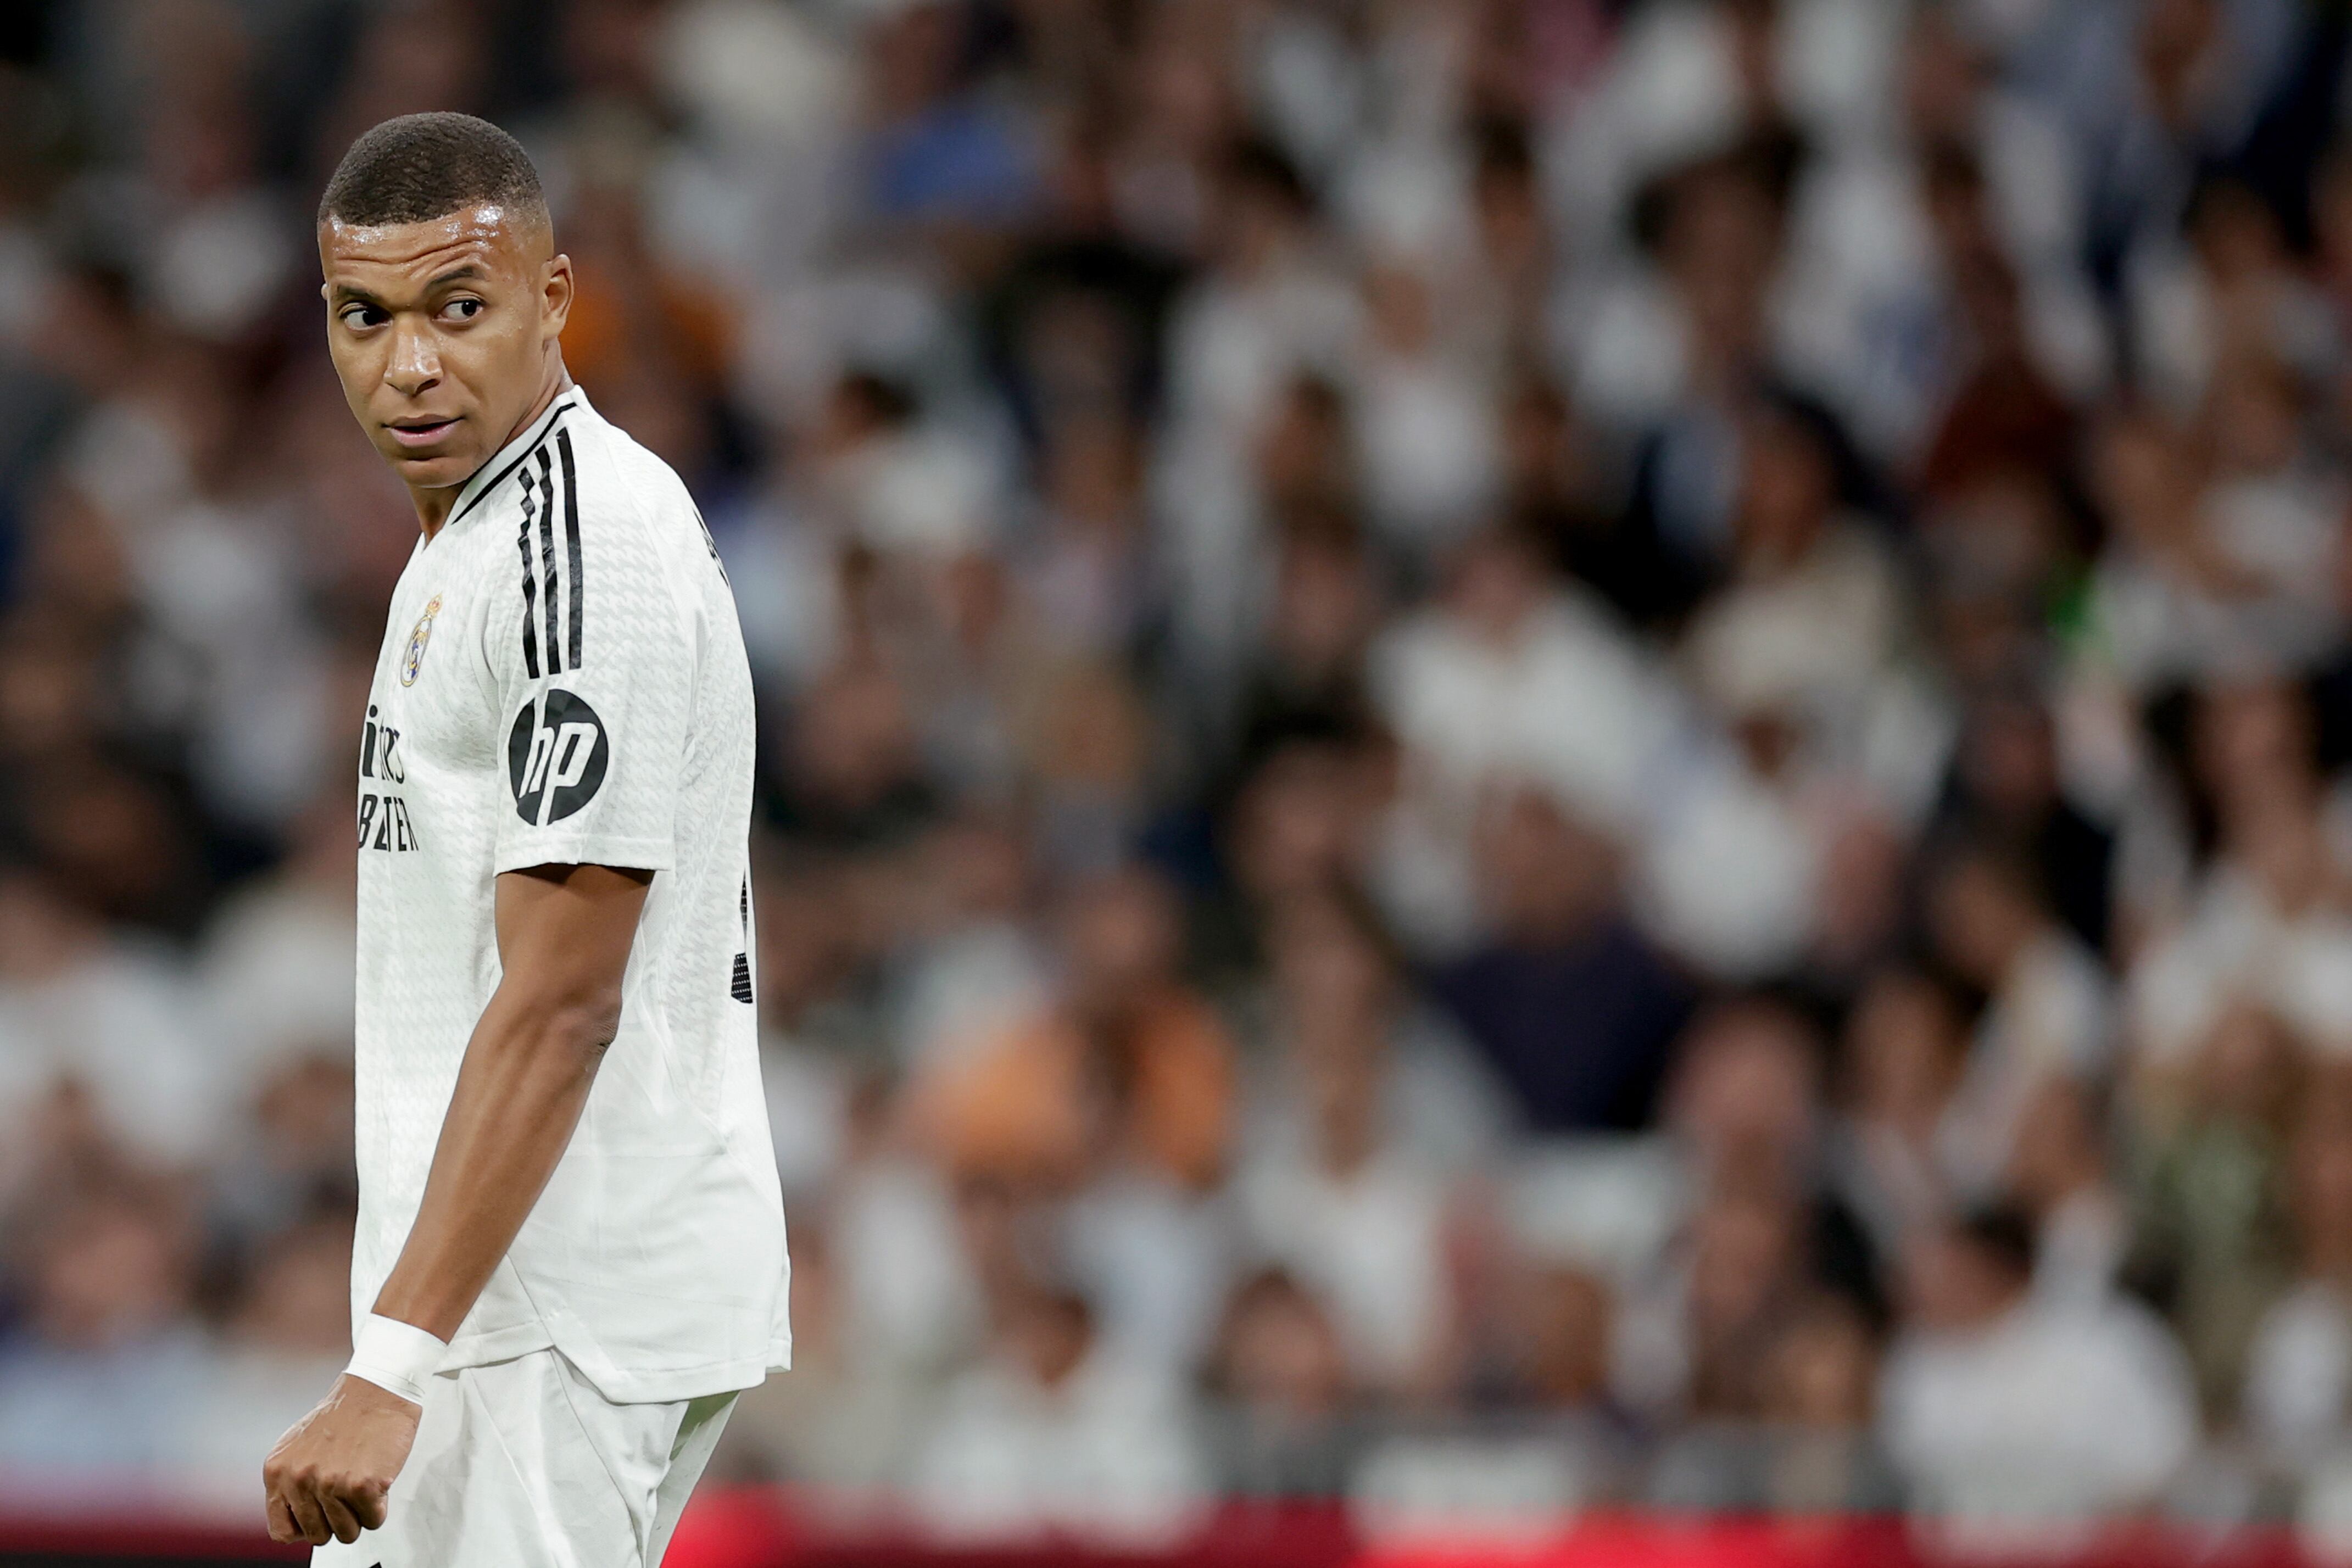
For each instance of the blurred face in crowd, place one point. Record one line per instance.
(48, 685)
(109, 1271)
(1397, 298)
(1820, 1370)
(1325, 606)
(2009, 758)
(1279, 1353)
(1943, 79)
(2322, 1202)
(2247, 1071)
(1497, 584)
(1302, 446)
(1295, 824)
(1547, 878)
(299, 1301)
(2174, 38)
(2278, 840)
(1860, 901)
(1744, 1263)
(2056, 1153)
(1786, 492)
(854, 740)
(1953, 1284)
(911, 58)
(1333, 981)
(1333, 989)
(1743, 1094)
(1982, 918)
(1092, 468)
(2255, 416)
(444, 334)
(2254, 744)
(304, 1113)
(1902, 1053)
(1721, 241)
(2143, 479)
(1564, 1331)
(40, 934)
(1048, 1333)
(1121, 938)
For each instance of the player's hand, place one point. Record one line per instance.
(328, 1475)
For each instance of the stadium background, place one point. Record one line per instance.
(1525, 760)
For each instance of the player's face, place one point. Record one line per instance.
(443, 333)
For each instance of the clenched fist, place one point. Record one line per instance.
(328, 1475)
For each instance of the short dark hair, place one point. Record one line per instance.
(424, 166)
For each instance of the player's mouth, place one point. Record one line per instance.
(421, 432)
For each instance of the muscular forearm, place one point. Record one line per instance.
(524, 1081)
(564, 933)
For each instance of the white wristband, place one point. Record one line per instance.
(397, 1357)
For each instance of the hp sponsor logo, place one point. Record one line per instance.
(556, 756)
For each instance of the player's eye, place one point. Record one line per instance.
(358, 315)
(465, 308)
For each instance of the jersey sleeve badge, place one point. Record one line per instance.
(556, 756)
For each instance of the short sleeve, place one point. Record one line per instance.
(595, 664)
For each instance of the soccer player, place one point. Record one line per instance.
(571, 1245)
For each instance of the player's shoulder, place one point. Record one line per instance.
(627, 496)
(607, 550)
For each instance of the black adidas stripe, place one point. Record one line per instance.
(559, 588)
(530, 580)
(579, 582)
(547, 558)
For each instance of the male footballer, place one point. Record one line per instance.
(571, 1245)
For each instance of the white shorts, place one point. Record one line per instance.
(522, 1464)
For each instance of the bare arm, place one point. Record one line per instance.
(563, 941)
(563, 934)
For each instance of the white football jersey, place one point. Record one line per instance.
(564, 683)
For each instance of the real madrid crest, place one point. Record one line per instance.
(413, 659)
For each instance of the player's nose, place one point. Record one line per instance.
(414, 366)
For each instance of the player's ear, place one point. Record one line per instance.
(554, 296)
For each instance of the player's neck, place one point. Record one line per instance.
(434, 505)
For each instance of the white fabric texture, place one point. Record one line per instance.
(524, 1465)
(563, 682)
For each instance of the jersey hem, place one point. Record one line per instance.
(497, 1345)
(669, 1384)
(660, 1385)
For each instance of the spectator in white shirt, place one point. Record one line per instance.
(2046, 1009)
(2058, 1170)
(112, 1016)
(2299, 1374)
(1053, 1432)
(2000, 1406)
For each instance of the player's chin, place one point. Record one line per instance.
(434, 466)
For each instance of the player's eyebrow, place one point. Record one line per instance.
(352, 293)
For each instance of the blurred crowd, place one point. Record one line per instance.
(1516, 752)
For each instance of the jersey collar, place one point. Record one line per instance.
(510, 457)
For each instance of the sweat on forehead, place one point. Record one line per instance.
(421, 167)
(492, 235)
